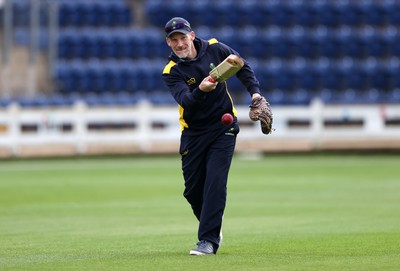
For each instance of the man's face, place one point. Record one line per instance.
(182, 45)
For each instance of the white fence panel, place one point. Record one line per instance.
(146, 129)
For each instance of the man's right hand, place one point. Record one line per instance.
(207, 84)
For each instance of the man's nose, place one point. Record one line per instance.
(180, 43)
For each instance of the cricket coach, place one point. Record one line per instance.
(206, 145)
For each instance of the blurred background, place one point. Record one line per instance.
(84, 76)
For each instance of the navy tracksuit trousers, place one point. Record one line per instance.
(206, 160)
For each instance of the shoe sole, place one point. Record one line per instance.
(199, 253)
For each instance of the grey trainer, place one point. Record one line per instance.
(203, 248)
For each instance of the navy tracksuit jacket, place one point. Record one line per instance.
(206, 145)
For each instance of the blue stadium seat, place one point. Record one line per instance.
(380, 79)
(63, 77)
(330, 47)
(77, 44)
(69, 14)
(64, 45)
(377, 46)
(25, 101)
(307, 78)
(88, 45)
(332, 79)
(112, 77)
(394, 46)
(62, 100)
(349, 96)
(285, 79)
(393, 96)
(96, 13)
(5, 101)
(127, 98)
(195, 15)
(78, 49)
(42, 100)
(158, 12)
(304, 15)
(375, 14)
(106, 46)
(120, 43)
(394, 78)
(307, 47)
(20, 13)
(239, 14)
(260, 15)
(280, 15)
(21, 37)
(86, 13)
(227, 35)
(276, 97)
(129, 76)
(92, 99)
(300, 96)
(135, 45)
(283, 47)
(245, 10)
(103, 14)
(154, 77)
(121, 14)
(263, 49)
(96, 78)
(374, 96)
(79, 78)
(218, 13)
(393, 13)
(327, 96)
(245, 42)
(266, 78)
(353, 46)
(154, 44)
(259, 72)
(329, 15)
(161, 97)
(356, 78)
(350, 14)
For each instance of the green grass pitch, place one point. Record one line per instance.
(284, 212)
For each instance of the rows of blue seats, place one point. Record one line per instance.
(309, 44)
(95, 13)
(338, 77)
(103, 43)
(150, 43)
(109, 65)
(145, 75)
(307, 13)
(332, 96)
(114, 76)
(76, 13)
(90, 98)
(162, 97)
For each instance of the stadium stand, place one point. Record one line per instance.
(347, 50)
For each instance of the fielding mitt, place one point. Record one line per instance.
(261, 110)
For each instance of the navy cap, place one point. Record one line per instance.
(177, 24)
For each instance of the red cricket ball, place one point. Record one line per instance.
(227, 119)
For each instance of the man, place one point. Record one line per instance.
(206, 146)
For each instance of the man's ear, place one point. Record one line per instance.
(192, 35)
